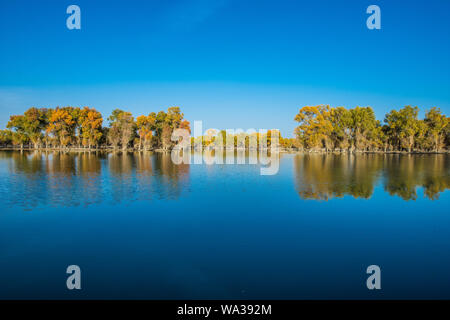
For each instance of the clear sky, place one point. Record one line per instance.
(231, 63)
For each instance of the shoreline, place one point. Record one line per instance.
(280, 150)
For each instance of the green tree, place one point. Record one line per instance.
(165, 124)
(341, 121)
(403, 126)
(6, 137)
(35, 123)
(422, 139)
(363, 127)
(437, 123)
(122, 128)
(19, 124)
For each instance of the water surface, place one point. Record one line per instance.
(140, 226)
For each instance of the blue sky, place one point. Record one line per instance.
(230, 63)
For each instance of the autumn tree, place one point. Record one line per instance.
(76, 134)
(19, 135)
(403, 125)
(62, 125)
(185, 125)
(422, 139)
(122, 128)
(47, 139)
(145, 126)
(436, 123)
(363, 127)
(5, 137)
(381, 137)
(447, 133)
(28, 127)
(341, 121)
(315, 126)
(90, 126)
(165, 124)
(35, 124)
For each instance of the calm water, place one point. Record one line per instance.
(142, 227)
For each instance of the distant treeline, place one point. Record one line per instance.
(83, 128)
(321, 128)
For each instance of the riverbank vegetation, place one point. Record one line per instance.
(83, 128)
(321, 129)
(324, 128)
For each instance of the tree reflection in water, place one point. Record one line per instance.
(54, 178)
(321, 176)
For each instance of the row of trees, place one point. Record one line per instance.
(239, 140)
(83, 127)
(322, 127)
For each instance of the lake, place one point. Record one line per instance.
(140, 226)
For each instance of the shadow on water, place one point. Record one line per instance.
(322, 177)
